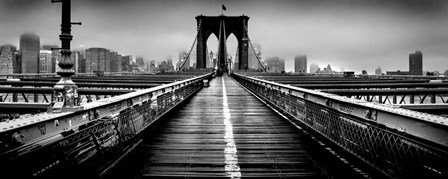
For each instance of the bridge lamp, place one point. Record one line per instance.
(65, 91)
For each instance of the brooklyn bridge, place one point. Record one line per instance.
(221, 122)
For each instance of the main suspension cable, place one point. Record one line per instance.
(253, 49)
(191, 48)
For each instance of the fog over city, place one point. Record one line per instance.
(348, 34)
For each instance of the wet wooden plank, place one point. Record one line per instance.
(192, 142)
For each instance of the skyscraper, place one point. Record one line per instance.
(45, 61)
(275, 64)
(55, 57)
(82, 65)
(115, 62)
(120, 59)
(126, 61)
(75, 58)
(8, 59)
(169, 63)
(29, 52)
(97, 60)
(140, 63)
(416, 63)
(300, 65)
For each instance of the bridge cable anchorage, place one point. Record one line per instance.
(191, 48)
(257, 55)
(231, 158)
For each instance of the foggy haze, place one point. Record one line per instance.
(349, 34)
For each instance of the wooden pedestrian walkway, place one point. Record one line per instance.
(223, 131)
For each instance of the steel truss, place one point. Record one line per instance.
(394, 153)
(98, 143)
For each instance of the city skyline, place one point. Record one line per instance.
(348, 34)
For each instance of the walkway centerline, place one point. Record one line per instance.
(231, 158)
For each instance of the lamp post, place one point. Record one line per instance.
(65, 96)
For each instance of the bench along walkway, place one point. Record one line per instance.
(223, 131)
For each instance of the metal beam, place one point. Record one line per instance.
(437, 109)
(45, 125)
(88, 80)
(83, 91)
(399, 142)
(425, 126)
(18, 107)
(387, 91)
(359, 86)
(80, 85)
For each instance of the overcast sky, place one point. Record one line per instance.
(348, 34)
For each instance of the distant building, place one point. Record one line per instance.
(97, 60)
(300, 65)
(115, 62)
(236, 61)
(80, 61)
(75, 57)
(82, 65)
(183, 57)
(45, 61)
(169, 63)
(8, 60)
(328, 69)
(253, 60)
(314, 68)
(120, 59)
(398, 72)
(152, 66)
(55, 57)
(416, 63)
(275, 64)
(147, 67)
(163, 66)
(133, 67)
(126, 61)
(140, 63)
(378, 71)
(364, 72)
(192, 56)
(445, 73)
(29, 52)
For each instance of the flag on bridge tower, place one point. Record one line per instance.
(223, 7)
